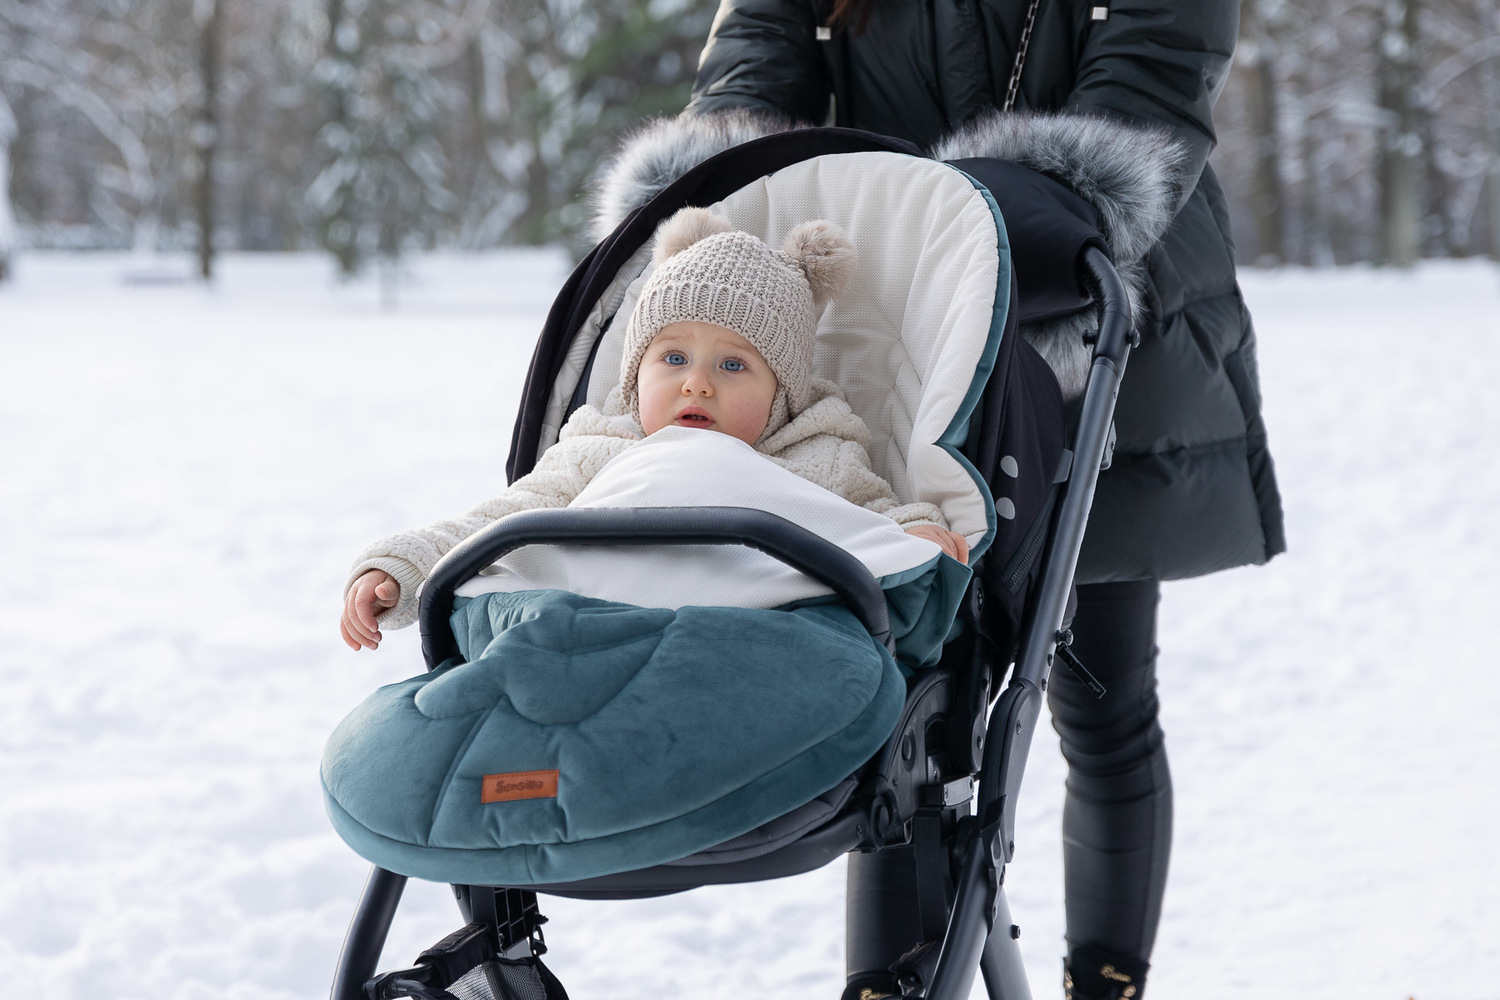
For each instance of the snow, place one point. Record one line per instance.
(188, 471)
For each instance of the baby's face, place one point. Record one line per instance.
(701, 375)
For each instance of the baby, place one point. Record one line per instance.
(721, 339)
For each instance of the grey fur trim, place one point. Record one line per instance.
(1129, 173)
(662, 150)
(1060, 343)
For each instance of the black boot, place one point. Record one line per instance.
(1092, 973)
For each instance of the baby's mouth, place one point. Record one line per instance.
(694, 417)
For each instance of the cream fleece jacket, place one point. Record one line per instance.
(825, 444)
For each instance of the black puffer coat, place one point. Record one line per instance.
(1192, 488)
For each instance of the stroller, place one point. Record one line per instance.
(969, 253)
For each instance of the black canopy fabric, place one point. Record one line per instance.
(1048, 227)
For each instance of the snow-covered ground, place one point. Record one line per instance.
(185, 474)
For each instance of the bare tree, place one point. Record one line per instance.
(1490, 91)
(561, 80)
(1258, 52)
(209, 15)
(7, 216)
(114, 69)
(1401, 154)
(385, 186)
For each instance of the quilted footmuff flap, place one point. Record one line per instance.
(585, 737)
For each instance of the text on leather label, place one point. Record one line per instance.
(518, 785)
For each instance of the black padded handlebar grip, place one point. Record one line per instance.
(779, 538)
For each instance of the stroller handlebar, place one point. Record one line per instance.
(802, 550)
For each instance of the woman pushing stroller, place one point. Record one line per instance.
(721, 339)
(1191, 489)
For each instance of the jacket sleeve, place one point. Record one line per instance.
(860, 484)
(828, 444)
(910, 515)
(409, 556)
(763, 55)
(841, 464)
(1162, 62)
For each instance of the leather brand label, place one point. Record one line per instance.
(518, 785)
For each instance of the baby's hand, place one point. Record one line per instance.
(951, 542)
(375, 591)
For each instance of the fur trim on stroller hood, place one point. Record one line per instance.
(662, 150)
(1128, 172)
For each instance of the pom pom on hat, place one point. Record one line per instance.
(825, 255)
(684, 228)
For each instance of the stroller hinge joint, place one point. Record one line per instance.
(950, 793)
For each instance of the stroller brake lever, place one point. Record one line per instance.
(1075, 665)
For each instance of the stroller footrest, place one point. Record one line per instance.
(453, 956)
(466, 965)
(438, 967)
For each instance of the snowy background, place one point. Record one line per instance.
(186, 473)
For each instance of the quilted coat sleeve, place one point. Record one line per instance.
(763, 55)
(1163, 61)
(560, 475)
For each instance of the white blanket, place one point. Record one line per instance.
(685, 467)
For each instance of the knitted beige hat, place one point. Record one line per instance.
(710, 273)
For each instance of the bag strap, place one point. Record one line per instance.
(1014, 87)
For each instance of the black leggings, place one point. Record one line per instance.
(1117, 820)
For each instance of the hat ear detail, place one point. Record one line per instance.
(825, 254)
(685, 227)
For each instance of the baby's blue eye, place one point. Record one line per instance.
(733, 365)
(675, 358)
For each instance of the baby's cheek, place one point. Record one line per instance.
(649, 404)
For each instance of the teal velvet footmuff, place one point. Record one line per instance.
(585, 737)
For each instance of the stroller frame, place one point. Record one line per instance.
(961, 847)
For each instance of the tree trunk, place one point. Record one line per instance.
(206, 135)
(1317, 240)
(8, 132)
(1269, 193)
(338, 229)
(1401, 141)
(1491, 92)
